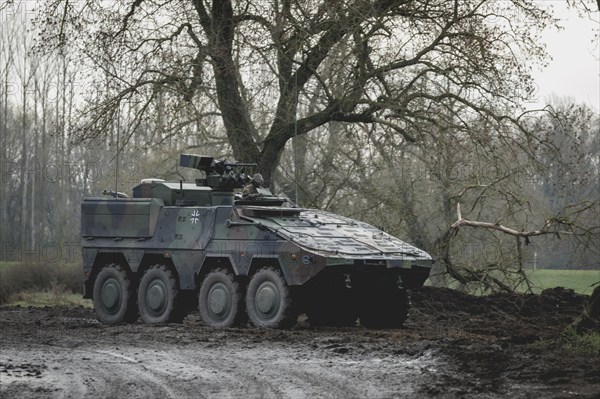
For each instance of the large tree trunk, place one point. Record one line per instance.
(219, 26)
(238, 125)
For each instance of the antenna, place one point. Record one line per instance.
(116, 195)
(295, 146)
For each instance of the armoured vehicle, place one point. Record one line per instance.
(177, 245)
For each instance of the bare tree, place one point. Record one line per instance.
(513, 183)
(398, 61)
(7, 90)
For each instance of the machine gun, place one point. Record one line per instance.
(221, 175)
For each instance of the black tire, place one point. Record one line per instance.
(157, 296)
(269, 302)
(385, 307)
(220, 300)
(114, 296)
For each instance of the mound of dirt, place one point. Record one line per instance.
(489, 343)
(521, 318)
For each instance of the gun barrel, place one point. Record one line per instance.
(239, 164)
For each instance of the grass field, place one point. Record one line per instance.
(579, 280)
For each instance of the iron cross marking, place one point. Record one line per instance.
(195, 219)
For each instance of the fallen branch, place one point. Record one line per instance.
(482, 276)
(546, 229)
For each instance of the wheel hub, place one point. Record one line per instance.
(156, 296)
(267, 299)
(111, 294)
(218, 299)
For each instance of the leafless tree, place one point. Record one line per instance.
(398, 61)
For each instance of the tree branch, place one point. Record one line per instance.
(545, 229)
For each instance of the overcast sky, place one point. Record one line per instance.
(574, 70)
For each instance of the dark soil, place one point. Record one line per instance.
(452, 345)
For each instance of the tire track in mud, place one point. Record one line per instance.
(280, 372)
(206, 372)
(83, 358)
(84, 373)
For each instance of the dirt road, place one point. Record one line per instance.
(453, 345)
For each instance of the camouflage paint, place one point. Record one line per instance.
(302, 242)
(197, 226)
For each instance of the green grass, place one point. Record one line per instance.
(39, 285)
(581, 281)
(571, 342)
(578, 280)
(56, 297)
(21, 280)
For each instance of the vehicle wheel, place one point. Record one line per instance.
(157, 296)
(220, 299)
(269, 301)
(114, 296)
(383, 308)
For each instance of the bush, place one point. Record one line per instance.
(29, 277)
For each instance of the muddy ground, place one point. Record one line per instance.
(453, 345)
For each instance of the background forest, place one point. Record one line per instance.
(391, 112)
